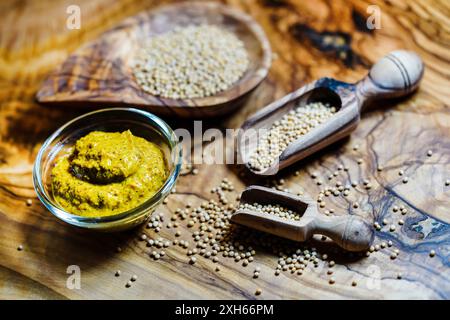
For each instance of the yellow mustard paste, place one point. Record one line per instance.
(107, 173)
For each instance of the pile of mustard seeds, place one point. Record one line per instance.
(274, 209)
(289, 128)
(191, 62)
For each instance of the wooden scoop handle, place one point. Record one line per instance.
(350, 232)
(396, 74)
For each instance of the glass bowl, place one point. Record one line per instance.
(140, 123)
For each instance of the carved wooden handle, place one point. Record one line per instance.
(350, 232)
(396, 74)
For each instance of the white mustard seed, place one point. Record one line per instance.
(286, 130)
(274, 209)
(194, 61)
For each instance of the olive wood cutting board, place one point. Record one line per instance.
(310, 40)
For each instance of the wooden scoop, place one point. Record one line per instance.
(100, 73)
(350, 232)
(395, 75)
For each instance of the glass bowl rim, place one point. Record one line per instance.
(160, 125)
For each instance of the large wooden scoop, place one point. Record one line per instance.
(99, 73)
(350, 232)
(395, 75)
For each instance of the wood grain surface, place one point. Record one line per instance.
(310, 39)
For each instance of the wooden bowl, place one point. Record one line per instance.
(99, 73)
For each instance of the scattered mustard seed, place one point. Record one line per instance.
(258, 292)
(29, 202)
(432, 253)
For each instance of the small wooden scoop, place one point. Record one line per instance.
(395, 75)
(350, 232)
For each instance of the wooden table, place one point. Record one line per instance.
(395, 135)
